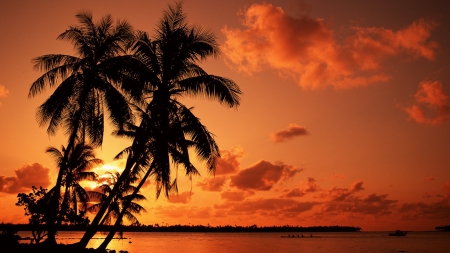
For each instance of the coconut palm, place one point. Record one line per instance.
(90, 85)
(116, 207)
(80, 161)
(168, 129)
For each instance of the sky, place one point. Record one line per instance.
(344, 117)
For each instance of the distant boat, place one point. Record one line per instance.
(398, 233)
(295, 236)
(443, 228)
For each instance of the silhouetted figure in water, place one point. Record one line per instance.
(302, 235)
(311, 236)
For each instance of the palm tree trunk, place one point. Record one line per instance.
(93, 227)
(64, 204)
(53, 219)
(127, 203)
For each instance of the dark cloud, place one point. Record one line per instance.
(263, 175)
(344, 200)
(340, 194)
(305, 48)
(277, 207)
(436, 210)
(27, 176)
(372, 204)
(291, 132)
(310, 186)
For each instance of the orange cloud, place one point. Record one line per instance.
(228, 163)
(235, 196)
(291, 132)
(338, 176)
(27, 176)
(305, 49)
(430, 98)
(214, 184)
(263, 175)
(183, 197)
(3, 92)
(310, 186)
(191, 212)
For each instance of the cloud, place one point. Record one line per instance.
(305, 49)
(446, 189)
(263, 175)
(27, 176)
(277, 207)
(236, 196)
(431, 98)
(338, 176)
(291, 132)
(183, 197)
(340, 194)
(430, 178)
(373, 204)
(345, 201)
(191, 212)
(3, 92)
(214, 184)
(228, 163)
(310, 186)
(436, 210)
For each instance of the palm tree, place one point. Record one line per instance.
(168, 129)
(116, 207)
(80, 161)
(91, 84)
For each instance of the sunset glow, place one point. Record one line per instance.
(344, 117)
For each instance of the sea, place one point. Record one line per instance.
(190, 242)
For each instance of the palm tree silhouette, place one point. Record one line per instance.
(117, 206)
(168, 129)
(80, 161)
(91, 84)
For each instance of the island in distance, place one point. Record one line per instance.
(200, 228)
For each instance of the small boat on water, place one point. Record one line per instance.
(398, 233)
(295, 236)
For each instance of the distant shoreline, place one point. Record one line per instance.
(198, 228)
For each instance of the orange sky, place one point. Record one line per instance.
(345, 117)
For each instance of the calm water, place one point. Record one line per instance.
(270, 242)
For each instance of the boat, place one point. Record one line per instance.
(443, 228)
(398, 233)
(295, 236)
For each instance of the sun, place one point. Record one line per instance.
(104, 172)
